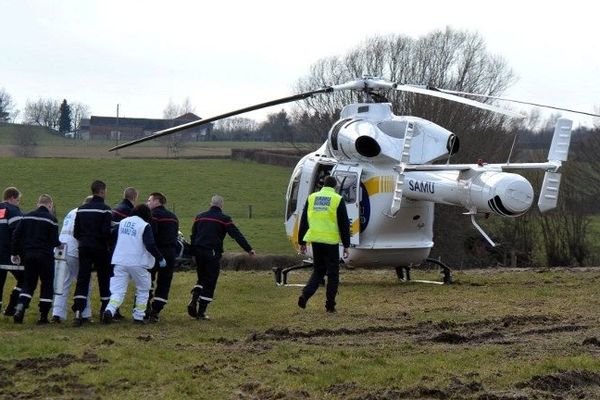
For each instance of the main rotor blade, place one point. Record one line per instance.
(518, 101)
(458, 99)
(201, 122)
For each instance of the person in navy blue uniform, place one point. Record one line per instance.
(34, 241)
(125, 207)
(93, 231)
(165, 227)
(10, 216)
(208, 232)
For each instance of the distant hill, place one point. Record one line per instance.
(39, 134)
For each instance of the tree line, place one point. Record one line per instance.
(58, 116)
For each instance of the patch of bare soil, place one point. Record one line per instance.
(564, 381)
(505, 330)
(34, 372)
(256, 391)
(560, 386)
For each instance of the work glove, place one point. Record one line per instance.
(162, 263)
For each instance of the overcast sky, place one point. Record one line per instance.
(225, 55)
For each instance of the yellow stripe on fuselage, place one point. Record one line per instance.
(294, 237)
(380, 184)
(355, 227)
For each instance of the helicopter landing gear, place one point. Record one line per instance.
(403, 273)
(281, 273)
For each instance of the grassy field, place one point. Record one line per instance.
(188, 185)
(52, 145)
(491, 335)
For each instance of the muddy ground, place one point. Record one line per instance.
(522, 337)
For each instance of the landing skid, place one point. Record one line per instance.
(281, 273)
(403, 273)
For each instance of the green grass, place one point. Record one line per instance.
(188, 185)
(258, 344)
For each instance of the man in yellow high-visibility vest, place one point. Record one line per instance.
(324, 224)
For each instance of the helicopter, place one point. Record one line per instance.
(387, 174)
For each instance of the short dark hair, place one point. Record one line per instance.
(330, 181)
(162, 199)
(11, 193)
(97, 187)
(142, 211)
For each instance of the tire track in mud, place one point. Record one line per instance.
(563, 385)
(510, 329)
(498, 330)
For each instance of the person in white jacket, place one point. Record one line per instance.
(59, 309)
(134, 255)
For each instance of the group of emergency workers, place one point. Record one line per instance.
(139, 243)
(129, 242)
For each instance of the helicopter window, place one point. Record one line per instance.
(363, 109)
(347, 187)
(395, 129)
(293, 196)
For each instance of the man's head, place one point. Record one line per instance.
(99, 189)
(12, 195)
(46, 201)
(130, 194)
(142, 211)
(216, 201)
(330, 181)
(156, 199)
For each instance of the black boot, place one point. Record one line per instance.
(103, 304)
(19, 313)
(44, 311)
(12, 303)
(107, 317)
(77, 319)
(153, 316)
(43, 319)
(192, 307)
(330, 306)
(118, 316)
(202, 310)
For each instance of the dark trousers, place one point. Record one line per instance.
(38, 266)
(100, 259)
(326, 258)
(208, 267)
(161, 279)
(14, 296)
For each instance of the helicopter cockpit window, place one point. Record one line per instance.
(395, 129)
(347, 187)
(293, 195)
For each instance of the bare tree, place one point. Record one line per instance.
(173, 110)
(43, 112)
(6, 106)
(449, 59)
(79, 111)
(236, 124)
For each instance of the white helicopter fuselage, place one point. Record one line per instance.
(384, 167)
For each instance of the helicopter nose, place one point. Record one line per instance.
(514, 195)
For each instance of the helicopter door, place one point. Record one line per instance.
(348, 177)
